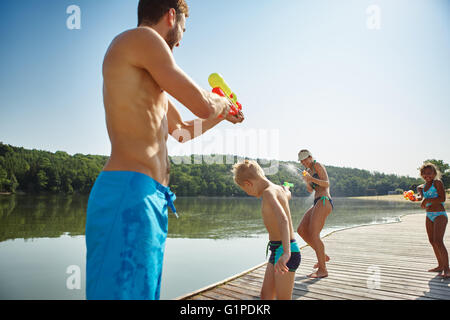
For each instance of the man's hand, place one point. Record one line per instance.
(221, 105)
(234, 119)
(281, 266)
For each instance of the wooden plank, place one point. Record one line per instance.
(358, 268)
(349, 289)
(400, 250)
(297, 294)
(331, 292)
(394, 282)
(199, 297)
(215, 295)
(392, 273)
(184, 297)
(235, 294)
(249, 290)
(390, 286)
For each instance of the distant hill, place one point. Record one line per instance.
(36, 171)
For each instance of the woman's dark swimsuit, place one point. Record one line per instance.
(324, 198)
(314, 185)
(315, 176)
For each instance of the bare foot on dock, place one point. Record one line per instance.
(446, 274)
(437, 269)
(327, 258)
(318, 274)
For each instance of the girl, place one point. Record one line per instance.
(432, 195)
(316, 179)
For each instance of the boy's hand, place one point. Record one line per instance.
(281, 266)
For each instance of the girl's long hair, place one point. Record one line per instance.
(429, 165)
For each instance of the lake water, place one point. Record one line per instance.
(42, 248)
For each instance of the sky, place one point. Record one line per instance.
(358, 88)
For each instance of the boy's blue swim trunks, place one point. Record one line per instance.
(276, 249)
(126, 231)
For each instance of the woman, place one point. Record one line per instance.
(316, 179)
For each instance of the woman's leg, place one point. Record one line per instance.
(430, 233)
(440, 224)
(304, 232)
(317, 221)
(303, 227)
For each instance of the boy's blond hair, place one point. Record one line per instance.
(247, 170)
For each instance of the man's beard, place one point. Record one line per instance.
(172, 37)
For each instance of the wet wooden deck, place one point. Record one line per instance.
(377, 262)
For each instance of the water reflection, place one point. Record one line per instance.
(28, 217)
(229, 218)
(209, 240)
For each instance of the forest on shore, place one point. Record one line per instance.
(36, 171)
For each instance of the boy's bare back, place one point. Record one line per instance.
(272, 196)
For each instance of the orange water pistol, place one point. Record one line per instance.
(409, 195)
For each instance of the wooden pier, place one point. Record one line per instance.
(376, 262)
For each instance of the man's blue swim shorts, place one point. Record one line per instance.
(126, 231)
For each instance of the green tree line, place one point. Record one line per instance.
(35, 171)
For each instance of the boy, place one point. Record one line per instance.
(285, 254)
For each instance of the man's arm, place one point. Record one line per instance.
(184, 131)
(149, 51)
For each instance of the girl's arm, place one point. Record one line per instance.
(420, 193)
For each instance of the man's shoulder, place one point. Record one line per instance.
(141, 31)
(137, 45)
(138, 37)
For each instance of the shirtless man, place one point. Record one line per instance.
(127, 220)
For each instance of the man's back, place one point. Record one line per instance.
(136, 110)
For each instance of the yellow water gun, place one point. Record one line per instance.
(221, 88)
